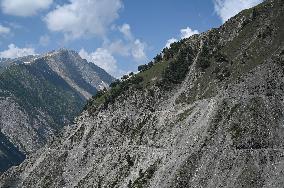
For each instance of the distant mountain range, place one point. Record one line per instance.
(39, 95)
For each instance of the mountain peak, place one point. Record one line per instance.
(38, 96)
(66, 50)
(61, 52)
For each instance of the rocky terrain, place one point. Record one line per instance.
(207, 113)
(39, 95)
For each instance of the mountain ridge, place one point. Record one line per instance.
(216, 123)
(40, 94)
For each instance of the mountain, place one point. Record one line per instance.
(39, 95)
(207, 113)
(3, 62)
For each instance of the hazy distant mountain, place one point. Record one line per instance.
(39, 95)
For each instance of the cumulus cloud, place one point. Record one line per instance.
(138, 50)
(102, 58)
(4, 30)
(228, 8)
(14, 52)
(126, 30)
(184, 33)
(24, 7)
(170, 41)
(130, 46)
(79, 18)
(119, 47)
(187, 32)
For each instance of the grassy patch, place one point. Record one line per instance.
(154, 74)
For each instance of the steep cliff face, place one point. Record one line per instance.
(39, 95)
(208, 114)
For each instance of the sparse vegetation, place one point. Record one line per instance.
(178, 67)
(37, 87)
(106, 97)
(167, 69)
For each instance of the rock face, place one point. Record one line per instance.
(208, 114)
(38, 96)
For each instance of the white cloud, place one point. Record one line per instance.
(128, 46)
(184, 33)
(170, 41)
(187, 32)
(4, 30)
(119, 47)
(131, 46)
(79, 18)
(228, 8)
(44, 40)
(138, 50)
(102, 58)
(14, 52)
(24, 7)
(126, 30)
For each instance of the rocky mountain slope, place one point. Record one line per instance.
(39, 95)
(208, 113)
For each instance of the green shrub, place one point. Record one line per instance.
(115, 83)
(178, 68)
(142, 68)
(203, 63)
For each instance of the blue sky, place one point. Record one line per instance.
(117, 35)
